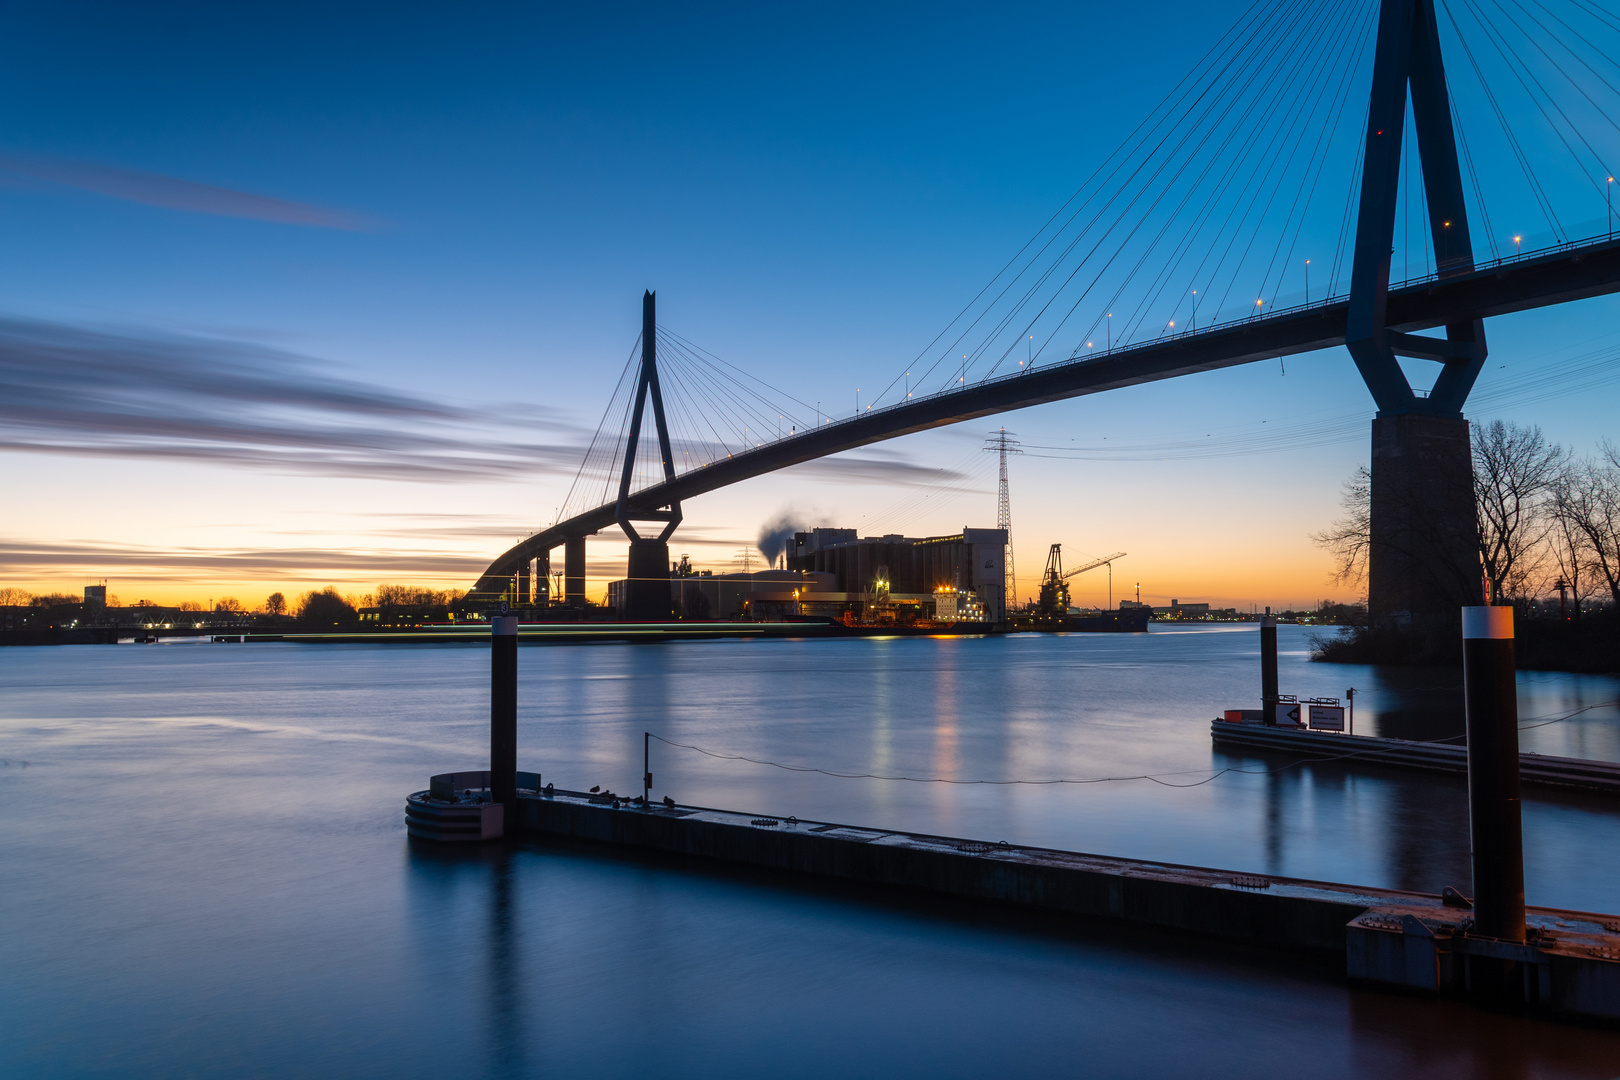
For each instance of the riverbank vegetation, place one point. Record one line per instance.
(1549, 546)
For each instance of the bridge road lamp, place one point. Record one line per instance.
(1608, 194)
(1307, 283)
(1110, 325)
(1194, 324)
(1516, 249)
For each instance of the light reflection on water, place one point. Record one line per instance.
(205, 870)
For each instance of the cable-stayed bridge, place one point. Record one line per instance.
(1316, 135)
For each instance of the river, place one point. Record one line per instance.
(204, 869)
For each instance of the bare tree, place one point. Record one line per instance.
(1515, 472)
(1348, 538)
(10, 597)
(1571, 552)
(1588, 500)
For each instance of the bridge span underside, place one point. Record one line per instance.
(1571, 273)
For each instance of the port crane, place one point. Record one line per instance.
(1054, 599)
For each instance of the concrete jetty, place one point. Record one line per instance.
(1535, 770)
(1568, 967)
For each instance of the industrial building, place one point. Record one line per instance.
(764, 594)
(967, 568)
(837, 574)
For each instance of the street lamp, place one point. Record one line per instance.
(1307, 283)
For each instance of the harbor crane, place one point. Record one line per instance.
(1054, 599)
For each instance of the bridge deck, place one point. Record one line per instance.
(1570, 272)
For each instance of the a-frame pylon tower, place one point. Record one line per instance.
(647, 593)
(1423, 553)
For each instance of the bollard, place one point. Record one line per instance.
(1490, 697)
(1268, 670)
(503, 712)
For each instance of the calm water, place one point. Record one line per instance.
(204, 868)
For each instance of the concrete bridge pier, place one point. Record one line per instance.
(647, 591)
(574, 571)
(1423, 554)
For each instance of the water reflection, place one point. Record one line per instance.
(506, 1028)
(247, 879)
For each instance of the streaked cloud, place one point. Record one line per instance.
(81, 391)
(876, 466)
(173, 193)
(32, 559)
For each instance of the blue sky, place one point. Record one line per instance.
(454, 211)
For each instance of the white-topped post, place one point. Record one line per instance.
(1495, 827)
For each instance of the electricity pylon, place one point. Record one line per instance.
(1002, 442)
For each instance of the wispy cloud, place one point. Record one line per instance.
(22, 560)
(172, 193)
(84, 391)
(876, 466)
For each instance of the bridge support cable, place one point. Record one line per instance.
(1541, 98)
(589, 483)
(1181, 194)
(1248, 26)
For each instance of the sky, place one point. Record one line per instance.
(297, 295)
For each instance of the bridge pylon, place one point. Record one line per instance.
(647, 588)
(1423, 555)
